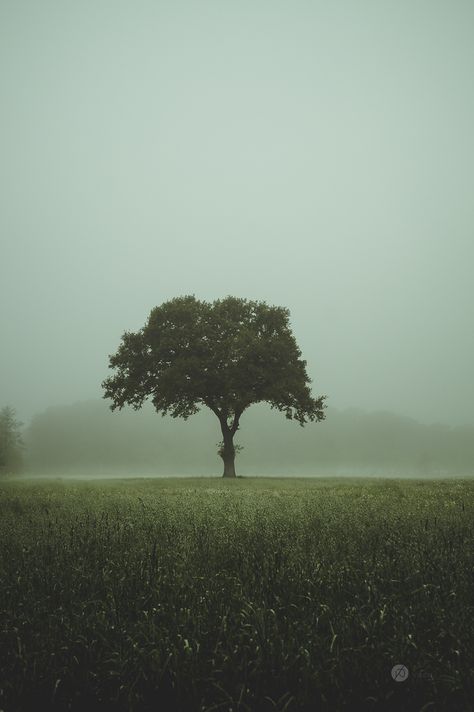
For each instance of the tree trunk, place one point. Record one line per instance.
(228, 451)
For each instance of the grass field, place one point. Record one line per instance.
(253, 594)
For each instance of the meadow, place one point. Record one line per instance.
(266, 595)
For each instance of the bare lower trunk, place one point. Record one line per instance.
(228, 452)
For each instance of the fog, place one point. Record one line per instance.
(86, 438)
(315, 155)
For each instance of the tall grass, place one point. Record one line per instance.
(248, 595)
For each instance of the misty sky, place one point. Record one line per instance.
(316, 155)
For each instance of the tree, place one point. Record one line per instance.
(225, 355)
(10, 441)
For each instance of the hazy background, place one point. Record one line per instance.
(84, 438)
(316, 155)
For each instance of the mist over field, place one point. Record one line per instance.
(86, 438)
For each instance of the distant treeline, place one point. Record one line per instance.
(11, 443)
(88, 437)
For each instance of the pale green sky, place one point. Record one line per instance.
(317, 155)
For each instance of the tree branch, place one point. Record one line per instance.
(212, 406)
(235, 423)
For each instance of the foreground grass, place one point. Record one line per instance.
(265, 595)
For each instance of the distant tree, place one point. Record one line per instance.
(10, 441)
(225, 355)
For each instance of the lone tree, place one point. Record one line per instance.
(225, 355)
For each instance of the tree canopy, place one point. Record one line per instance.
(225, 355)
